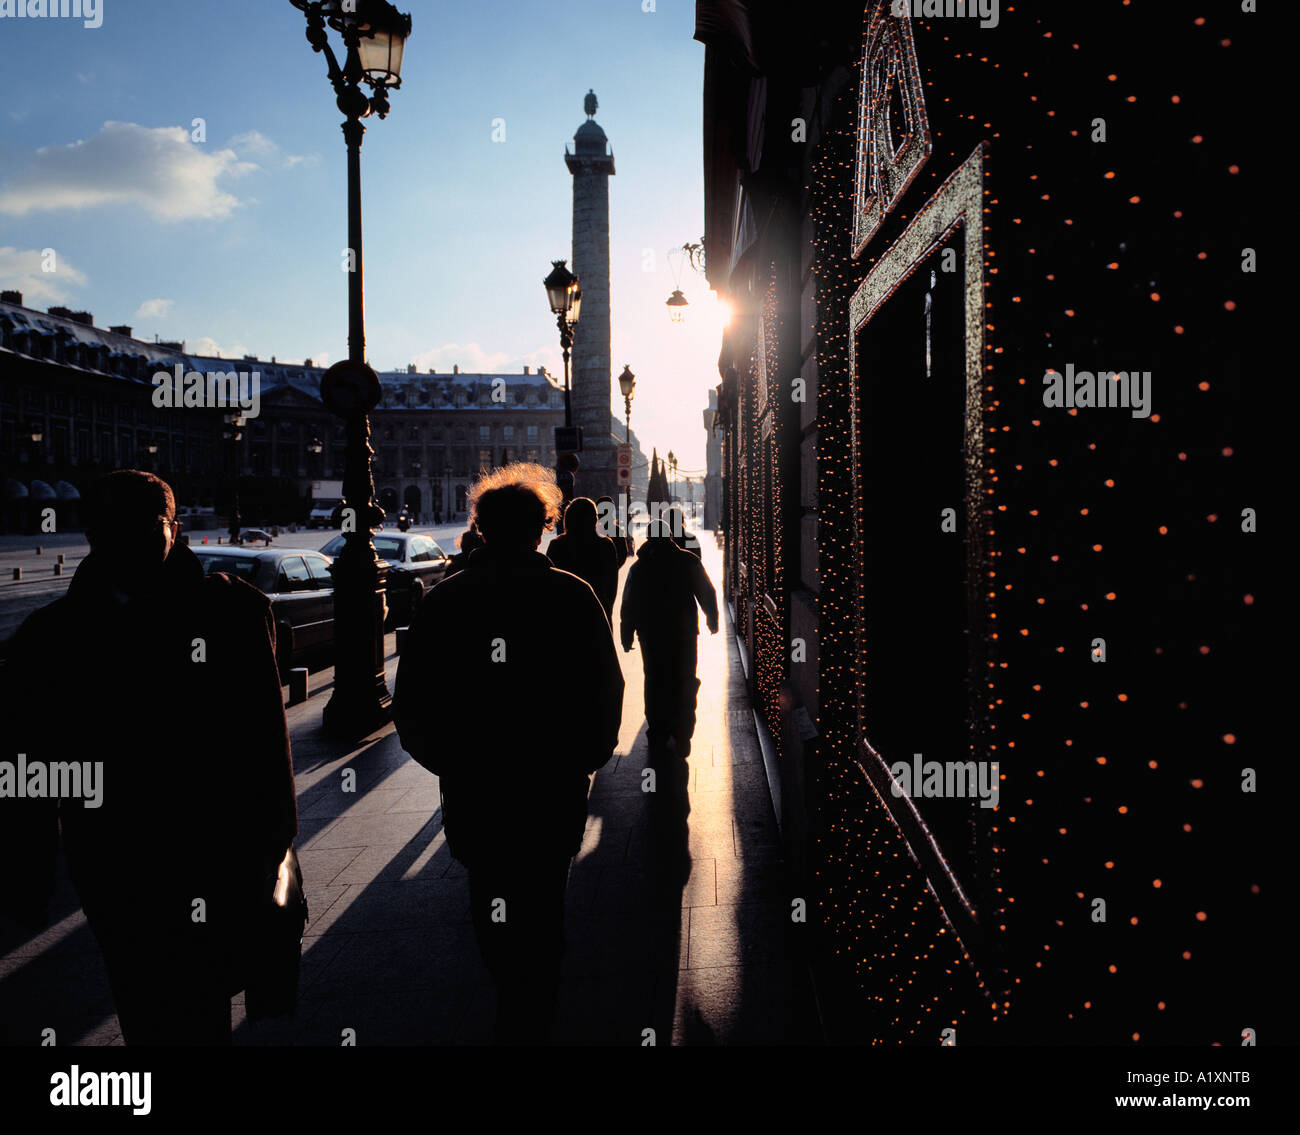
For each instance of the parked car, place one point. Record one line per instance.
(256, 535)
(299, 585)
(415, 564)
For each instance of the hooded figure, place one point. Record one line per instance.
(663, 587)
(123, 676)
(587, 554)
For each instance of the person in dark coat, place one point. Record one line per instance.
(469, 540)
(608, 511)
(125, 674)
(586, 553)
(683, 537)
(659, 599)
(481, 717)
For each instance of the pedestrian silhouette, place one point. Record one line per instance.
(663, 586)
(683, 537)
(493, 652)
(606, 507)
(469, 540)
(176, 861)
(587, 554)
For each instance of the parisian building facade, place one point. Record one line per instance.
(78, 400)
(918, 223)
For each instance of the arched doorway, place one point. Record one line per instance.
(462, 498)
(388, 502)
(411, 501)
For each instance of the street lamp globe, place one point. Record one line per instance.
(563, 291)
(677, 305)
(383, 32)
(627, 382)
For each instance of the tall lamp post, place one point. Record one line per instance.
(564, 293)
(672, 476)
(374, 34)
(233, 432)
(627, 384)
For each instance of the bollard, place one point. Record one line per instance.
(58, 569)
(297, 685)
(61, 559)
(18, 575)
(401, 637)
(38, 549)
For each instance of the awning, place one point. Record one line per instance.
(725, 24)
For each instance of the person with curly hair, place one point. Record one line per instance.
(492, 655)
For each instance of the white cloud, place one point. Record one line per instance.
(255, 144)
(153, 309)
(210, 349)
(474, 359)
(155, 168)
(22, 270)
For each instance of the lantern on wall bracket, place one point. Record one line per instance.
(693, 253)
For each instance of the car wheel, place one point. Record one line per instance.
(284, 650)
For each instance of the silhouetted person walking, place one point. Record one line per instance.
(128, 672)
(469, 540)
(663, 586)
(605, 507)
(683, 537)
(480, 715)
(587, 554)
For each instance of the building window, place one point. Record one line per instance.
(532, 433)
(508, 433)
(485, 433)
(485, 459)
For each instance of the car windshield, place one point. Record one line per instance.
(243, 567)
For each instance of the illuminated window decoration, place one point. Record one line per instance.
(893, 131)
(957, 203)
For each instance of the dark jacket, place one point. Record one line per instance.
(622, 545)
(660, 594)
(509, 690)
(591, 557)
(198, 789)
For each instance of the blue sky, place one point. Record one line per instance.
(236, 242)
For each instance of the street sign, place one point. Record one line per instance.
(568, 439)
(623, 465)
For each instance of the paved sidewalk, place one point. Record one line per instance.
(678, 911)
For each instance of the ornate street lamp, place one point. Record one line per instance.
(233, 432)
(677, 305)
(693, 252)
(374, 34)
(564, 293)
(627, 384)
